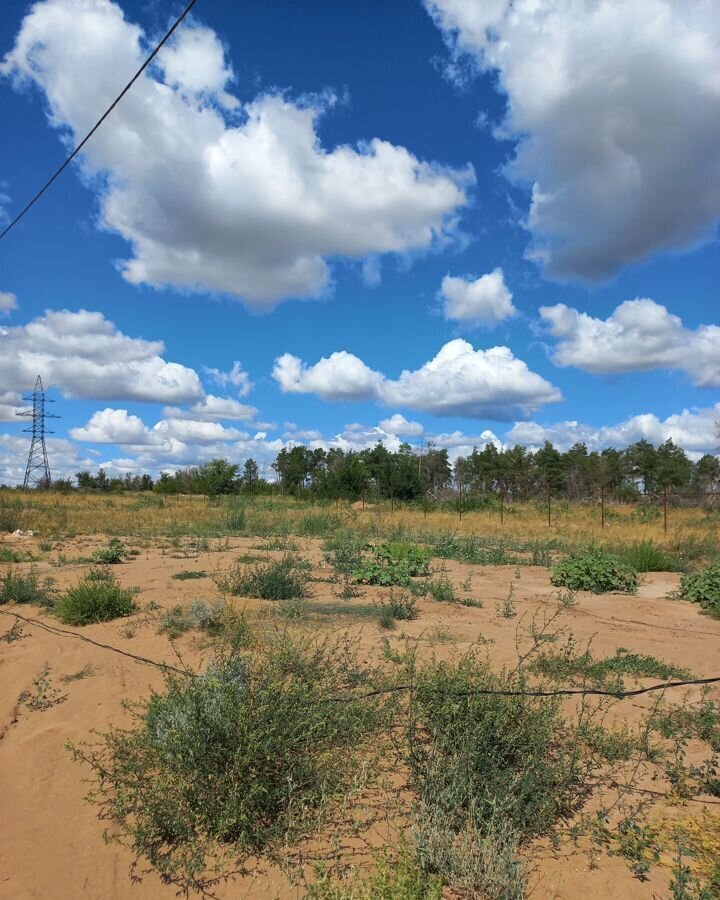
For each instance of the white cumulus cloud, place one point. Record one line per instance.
(480, 301)
(615, 110)
(693, 429)
(640, 335)
(398, 424)
(84, 355)
(459, 380)
(248, 203)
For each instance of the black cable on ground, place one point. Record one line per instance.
(495, 692)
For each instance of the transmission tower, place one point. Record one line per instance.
(37, 471)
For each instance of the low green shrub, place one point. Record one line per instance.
(27, 587)
(114, 553)
(703, 588)
(491, 772)
(475, 757)
(189, 574)
(199, 614)
(392, 563)
(398, 605)
(594, 570)
(277, 579)
(238, 762)
(442, 590)
(568, 666)
(97, 597)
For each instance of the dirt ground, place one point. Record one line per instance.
(51, 842)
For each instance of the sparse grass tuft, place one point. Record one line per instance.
(277, 579)
(567, 666)
(18, 587)
(97, 597)
(646, 556)
(189, 574)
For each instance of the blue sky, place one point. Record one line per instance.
(318, 198)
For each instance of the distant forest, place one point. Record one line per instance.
(411, 474)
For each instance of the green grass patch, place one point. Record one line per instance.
(95, 598)
(569, 667)
(189, 574)
(646, 556)
(277, 579)
(25, 587)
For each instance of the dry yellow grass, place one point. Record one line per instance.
(150, 515)
(140, 515)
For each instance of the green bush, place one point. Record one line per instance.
(703, 588)
(277, 579)
(189, 574)
(646, 556)
(491, 772)
(478, 757)
(442, 589)
(236, 518)
(393, 563)
(594, 570)
(114, 553)
(402, 604)
(238, 762)
(206, 617)
(16, 587)
(95, 598)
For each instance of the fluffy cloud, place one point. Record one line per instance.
(398, 424)
(249, 204)
(340, 376)
(85, 355)
(10, 405)
(615, 108)
(693, 430)
(237, 378)
(482, 301)
(117, 426)
(458, 381)
(8, 302)
(212, 407)
(639, 335)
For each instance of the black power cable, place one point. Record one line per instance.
(99, 122)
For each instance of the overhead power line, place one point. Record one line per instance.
(99, 122)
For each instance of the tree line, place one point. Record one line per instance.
(411, 474)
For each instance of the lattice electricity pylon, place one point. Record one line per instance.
(37, 471)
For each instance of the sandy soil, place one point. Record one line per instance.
(51, 842)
